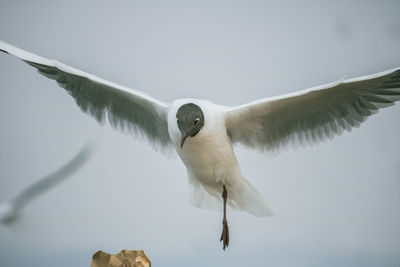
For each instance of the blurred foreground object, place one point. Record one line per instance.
(126, 258)
(10, 210)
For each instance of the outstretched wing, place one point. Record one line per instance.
(9, 210)
(126, 109)
(312, 115)
(53, 179)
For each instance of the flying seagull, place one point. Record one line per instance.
(203, 133)
(10, 210)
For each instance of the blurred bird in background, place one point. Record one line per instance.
(10, 210)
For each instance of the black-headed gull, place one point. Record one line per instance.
(10, 210)
(203, 133)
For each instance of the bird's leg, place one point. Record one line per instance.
(225, 229)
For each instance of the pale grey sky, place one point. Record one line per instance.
(336, 204)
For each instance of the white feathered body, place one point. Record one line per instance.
(211, 163)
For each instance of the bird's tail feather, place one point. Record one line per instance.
(242, 196)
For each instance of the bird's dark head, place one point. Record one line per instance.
(190, 120)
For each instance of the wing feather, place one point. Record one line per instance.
(312, 115)
(126, 109)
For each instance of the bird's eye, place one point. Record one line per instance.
(196, 121)
(177, 121)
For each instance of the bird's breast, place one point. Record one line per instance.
(209, 157)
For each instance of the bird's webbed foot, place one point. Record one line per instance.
(225, 229)
(225, 234)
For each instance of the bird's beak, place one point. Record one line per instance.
(183, 138)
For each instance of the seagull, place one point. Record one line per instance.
(203, 133)
(10, 210)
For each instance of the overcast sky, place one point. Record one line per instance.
(336, 204)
